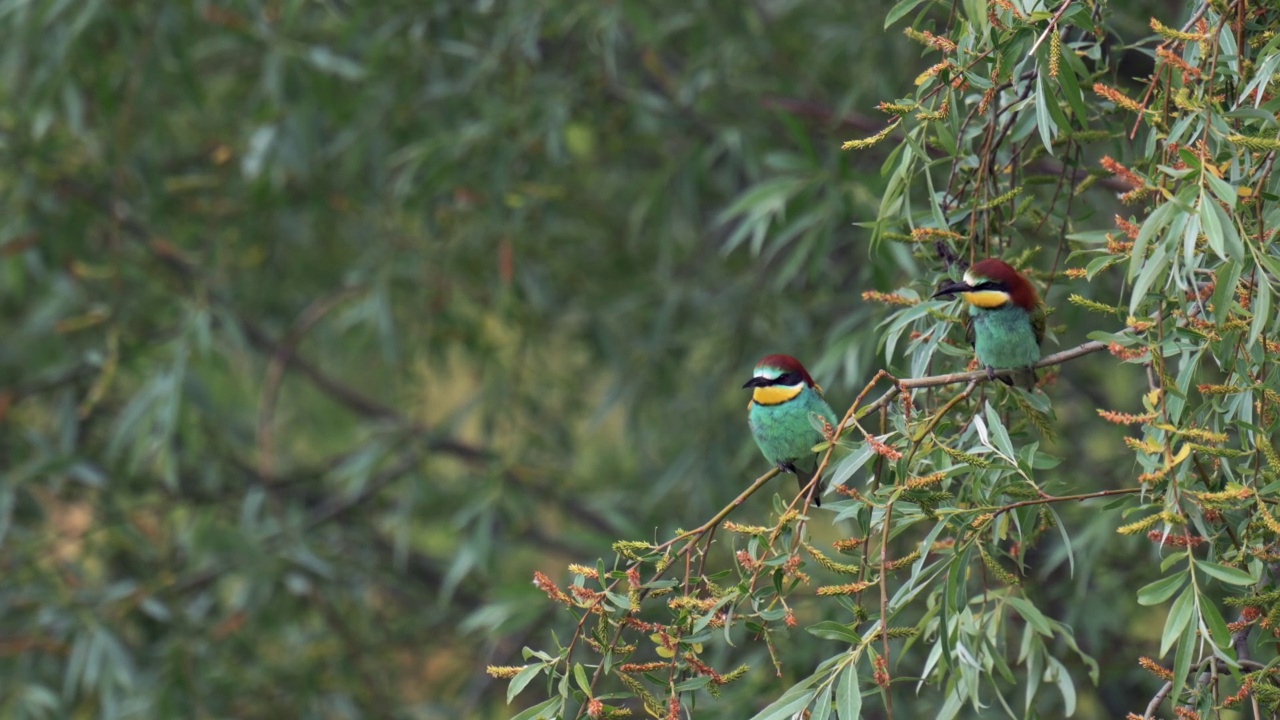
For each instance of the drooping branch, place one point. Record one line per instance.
(1058, 358)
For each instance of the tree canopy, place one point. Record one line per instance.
(330, 326)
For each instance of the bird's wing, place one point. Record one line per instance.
(1038, 320)
(968, 331)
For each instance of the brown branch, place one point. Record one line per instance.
(337, 507)
(262, 341)
(1090, 347)
(1068, 498)
(274, 377)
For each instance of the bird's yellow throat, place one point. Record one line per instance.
(989, 299)
(775, 394)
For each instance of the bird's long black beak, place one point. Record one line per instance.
(951, 287)
(756, 382)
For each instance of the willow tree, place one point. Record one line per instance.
(1150, 206)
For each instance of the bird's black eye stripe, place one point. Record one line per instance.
(791, 378)
(989, 285)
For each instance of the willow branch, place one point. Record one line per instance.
(1052, 24)
(1078, 351)
(1088, 348)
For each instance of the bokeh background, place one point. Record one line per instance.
(325, 324)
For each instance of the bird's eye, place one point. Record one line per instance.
(989, 285)
(790, 378)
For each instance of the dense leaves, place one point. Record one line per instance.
(327, 325)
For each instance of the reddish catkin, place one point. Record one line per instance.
(1155, 668)
(747, 562)
(1189, 72)
(702, 668)
(1123, 353)
(1179, 541)
(882, 671)
(939, 42)
(1006, 5)
(1112, 166)
(883, 449)
(543, 583)
(1118, 247)
(1130, 229)
(1246, 688)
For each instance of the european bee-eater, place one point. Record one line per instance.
(783, 398)
(1006, 319)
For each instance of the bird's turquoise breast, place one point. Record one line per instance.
(1004, 337)
(784, 432)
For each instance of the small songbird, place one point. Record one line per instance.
(1006, 319)
(783, 398)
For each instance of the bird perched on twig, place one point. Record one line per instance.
(1006, 319)
(783, 413)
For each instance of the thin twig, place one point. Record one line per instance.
(1052, 24)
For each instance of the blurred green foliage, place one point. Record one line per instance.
(326, 324)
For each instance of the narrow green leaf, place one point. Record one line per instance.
(580, 675)
(821, 706)
(900, 10)
(1261, 310)
(1155, 222)
(1182, 661)
(1212, 227)
(1179, 617)
(1155, 268)
(1160, 590)
(1070, 85)
(851, 464)
(999, 435)
(786, 706)
(1031, 614)
(848, 694)
(832, 630)
(1044, 123)
(693, 683)
(1226, 574)
(1066, 686)
(1225, 290)
(1219, 228)
(522, 679)
(1225, 192)
(1217, 626)
(542, 711)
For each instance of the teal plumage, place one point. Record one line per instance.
(784, 399)
(1006, 320)
(1004, 337)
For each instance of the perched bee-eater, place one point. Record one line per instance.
(1006, 319)
(783, 398)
